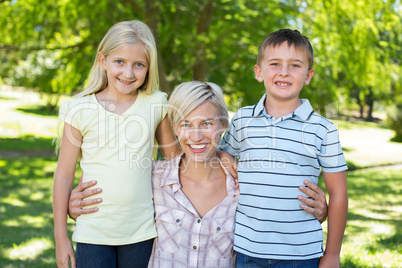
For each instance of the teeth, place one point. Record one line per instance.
(127, 82)
(198, 147)
(282, 84)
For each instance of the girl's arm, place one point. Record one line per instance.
(63, 182)
(336, 185)
(166, 139)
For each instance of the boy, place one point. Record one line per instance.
(280, 142)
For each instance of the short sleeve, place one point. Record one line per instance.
(331, 157)
(67, 114)
(164, 102)
(230, 140)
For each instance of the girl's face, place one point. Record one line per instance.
(126, 69)
(199, 133)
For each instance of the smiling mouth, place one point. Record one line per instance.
(125, 82)
(197, 147)
(282, 84)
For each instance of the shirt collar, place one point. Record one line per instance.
(304, 111)
(172, 178)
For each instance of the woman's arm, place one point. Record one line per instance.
(318, 204)
(166, 139)
(77, 204)
(63, 182)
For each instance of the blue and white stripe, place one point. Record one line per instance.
(275, 156)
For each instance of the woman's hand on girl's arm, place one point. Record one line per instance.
(166, 139)
(76, 204)
(318, 204)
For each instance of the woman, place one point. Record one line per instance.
(195, 198)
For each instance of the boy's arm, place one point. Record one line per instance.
(63, 182)
(336, 185)
(166, 139)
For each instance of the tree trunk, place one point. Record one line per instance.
(200, 68)
(152, 14)
(370, 103)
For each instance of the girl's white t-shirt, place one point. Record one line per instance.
(117, 152)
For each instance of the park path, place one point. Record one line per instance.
(14, 123)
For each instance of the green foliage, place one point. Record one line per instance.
(394, 121)
(50, 45)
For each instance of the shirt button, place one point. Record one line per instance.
(218, 229)
(194, 247)
(198, 221)
(177, 220)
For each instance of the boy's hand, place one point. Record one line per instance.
(76, 203)
(65, 254)
(328, 261)
(230, 163)
(318, 204)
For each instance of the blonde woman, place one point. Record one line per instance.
(195, 198)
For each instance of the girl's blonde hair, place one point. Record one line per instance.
(190, 95)
(119, 35)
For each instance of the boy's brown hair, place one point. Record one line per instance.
(292, 37)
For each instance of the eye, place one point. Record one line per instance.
(185, 125)
(274, 64)
(207, 124)
(295, 65)
(119, 61)
(139, 65)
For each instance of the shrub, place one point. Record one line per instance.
(394, 121)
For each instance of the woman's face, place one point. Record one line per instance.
(199, 133)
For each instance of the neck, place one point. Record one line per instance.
(280, 108)
(199, 170)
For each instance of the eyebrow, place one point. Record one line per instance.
(278, 59)
(121, 58)
(204, 119)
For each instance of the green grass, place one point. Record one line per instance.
(26, 143)
(26, 219)
(40, 110)
(373, 234)
(372, 238)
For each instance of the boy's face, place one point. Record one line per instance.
(284, 71)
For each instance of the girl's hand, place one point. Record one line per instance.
(65, 254)
(76, 204)
(318, 204)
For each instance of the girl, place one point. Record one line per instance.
(112, 125)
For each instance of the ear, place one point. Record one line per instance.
(102, 59)
(309, 76)
(257, 70)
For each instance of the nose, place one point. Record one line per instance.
(196, 134)
(284, 71)
(128, 72)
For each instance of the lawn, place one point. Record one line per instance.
(373, 234)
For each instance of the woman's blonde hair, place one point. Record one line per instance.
(119, 35)
(190, 95)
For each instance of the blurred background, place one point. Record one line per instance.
(47, 48)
